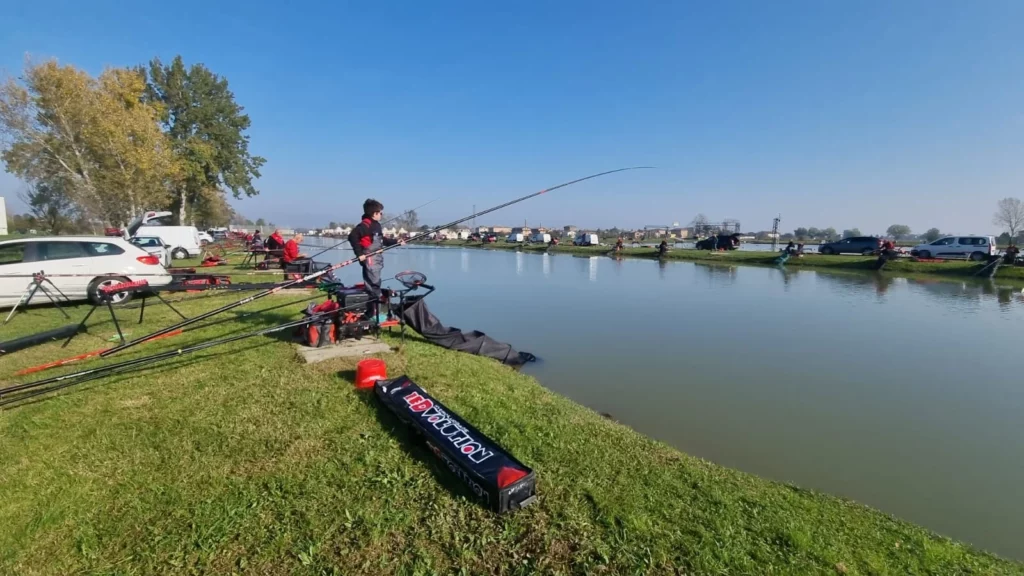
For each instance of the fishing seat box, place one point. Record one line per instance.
(350, 298)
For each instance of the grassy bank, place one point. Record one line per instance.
(951, 268)
(242, 460)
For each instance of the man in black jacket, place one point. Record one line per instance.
(365, 239)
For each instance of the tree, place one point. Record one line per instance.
(829, 233)
(898, 231)
(700, 224)
(207, 128)
(813, 232)
(851, 233)
(53, 210)
(800, 232)
(260, 222)
(91, 137)
(1010, 215)
(424, 228)
(931, 235)
(332, 225)
(410, 220)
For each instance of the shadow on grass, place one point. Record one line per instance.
(413, 444)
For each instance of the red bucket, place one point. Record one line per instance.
(369, 371)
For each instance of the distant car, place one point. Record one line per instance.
(970, 247)
(540, 238)
(77, 265)
(155, 246)
(474, 237)
(205, 239)
(586, 240)
(490, 238)
(865, 245)
(219, 234)
(517, 237)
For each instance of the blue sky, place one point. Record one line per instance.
(831, 113)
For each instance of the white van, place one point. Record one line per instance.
(541, 238)
(514, 238)
(970, 247)
(183, 240)
(586, 240)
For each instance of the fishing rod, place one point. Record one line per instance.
(315, 275)
(100, 371)
(388, 221)
(94, 353)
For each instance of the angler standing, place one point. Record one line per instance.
(366, 238)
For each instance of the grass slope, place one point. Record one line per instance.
(242, 460)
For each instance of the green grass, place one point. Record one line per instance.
(242, 460)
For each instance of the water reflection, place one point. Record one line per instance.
(520, 260)
(546, 264)
(593, 268)
(718, 275)
(465, 260)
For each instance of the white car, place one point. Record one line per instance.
(205, 239)
(970, 247)
(586, 240)
(77, 265)
(155, 246)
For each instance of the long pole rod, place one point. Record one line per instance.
(350, 261)
(389, 220)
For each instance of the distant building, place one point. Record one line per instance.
(540, 230)
(500, 230)
(520, 230)
(569, 231)
(483, 230)
(681, 233)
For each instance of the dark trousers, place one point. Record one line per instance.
(371, 279)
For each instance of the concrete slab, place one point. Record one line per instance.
(346, 349)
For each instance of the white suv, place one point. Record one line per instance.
(971, 247)
(77, 265)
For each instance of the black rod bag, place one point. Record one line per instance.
(495, 476)
(419, 317)
(39, 338)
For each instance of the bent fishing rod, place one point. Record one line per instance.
(388, 221)
(100, 371)
(351, 261)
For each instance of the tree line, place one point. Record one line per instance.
(106, 148)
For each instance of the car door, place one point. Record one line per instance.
(944, 248)
(964, 247)
(15, 272)
(68, 263)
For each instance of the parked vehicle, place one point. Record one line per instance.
(490, 238)
(865, 245)
(970, 247)
(183, 240)
(77, 265)
(474, 237)
(541, 238)
(515, 238)
(586, 240)
(205, 239)
(155, 246)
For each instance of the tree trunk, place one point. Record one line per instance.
(181, 207)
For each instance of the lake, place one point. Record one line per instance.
(904, 394)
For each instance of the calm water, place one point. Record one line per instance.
(902, 394)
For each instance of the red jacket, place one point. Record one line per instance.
(291, 251)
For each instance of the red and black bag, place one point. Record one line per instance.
(494, 475)
(320, 332)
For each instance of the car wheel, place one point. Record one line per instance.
(828, 251)
(204, 242)
(867, 252)
(179, 254)
(924, 254)
(93, 290)
(977, 256)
